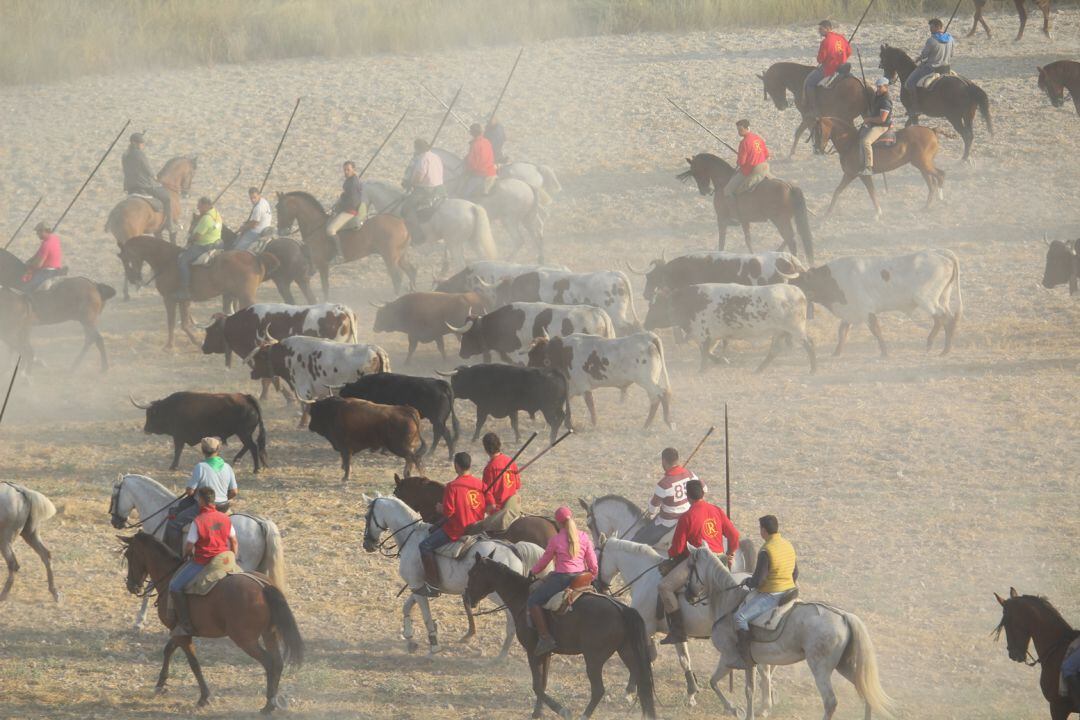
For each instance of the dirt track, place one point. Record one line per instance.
(912, 487)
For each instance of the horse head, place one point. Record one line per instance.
(774, 89)
(700, 172)
(482, 579)
(1015, 621)
(286, 217)
(1053, 89)
(373, 530)
(136, 563)
(116, 517)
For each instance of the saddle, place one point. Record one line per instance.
(265, 237)
(219, 568)
(886, 140)
(156, 204)
(424, 214)
(767, 628)
(841, 72)
(939, 72)
(457, 549)
(562, 602)
(207, 258)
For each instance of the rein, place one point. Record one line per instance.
(626, 588)
(113, 510)
(386, 546)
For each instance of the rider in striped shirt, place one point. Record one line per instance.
(669, 500)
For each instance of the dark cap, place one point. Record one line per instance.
(420, 145)
(137, 138)
(827, 24)
(41, 226)
(475, 130)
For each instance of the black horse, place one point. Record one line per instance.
(597, 628)
(11, 270)
(294, 265)
(952, 97)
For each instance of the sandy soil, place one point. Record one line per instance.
(912, 487)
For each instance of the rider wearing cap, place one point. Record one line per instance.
(463, 503)
(703, 524)
(139, 179)
(833, 52)
(776, 572)
(573, 553)
(876, 123)
(47, 262)
(936, 57)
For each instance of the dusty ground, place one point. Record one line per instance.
(912, 487)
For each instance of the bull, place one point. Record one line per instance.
(1062, 265)
(424, 316)
(351, 425)
(763, 268)
(512, 328)
(244, 330)
(505, 390)
(431, 397)
(608, 290)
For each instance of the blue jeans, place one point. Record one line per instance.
(246, 240)
(810, 88)
(40, 275)
(1071, 665)
(553, 584)
(912, 80)
(187, 572)
(434, 541)
(188, 256)
(754, 607)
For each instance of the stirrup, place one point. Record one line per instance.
(545, 645)
(428, 591)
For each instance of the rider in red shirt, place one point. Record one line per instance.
(702, 524)
(464, 502)
(479, 164)
(47, 262)
(503, 487)
(210, 535)
(833, 52)
(753, 165)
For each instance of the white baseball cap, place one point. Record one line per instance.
(881, 81)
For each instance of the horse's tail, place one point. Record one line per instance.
(106, 292)
(543, 199)
(273, 559)
(859, 657)
(551, 181)
(979, 97)
(284, 624)
(481, 237)
(112, 216)
(638, 642)
(41, 509)
(954, 283)
(802, 222)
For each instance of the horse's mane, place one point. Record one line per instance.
(154, 545)
(150, 480)
(634, 548)
(504, 570)
(1064, 72)
(1043, 602)
(308, 197)
(630, 506)
(713, 563)
(709, 160)
(421, 481)
(899, 53)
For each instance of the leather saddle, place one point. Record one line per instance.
(768, 627)
(457, 549)
(265, 237)
(886, 140)
(563, 601)
(154, 202)
(841, 72)
(207, 258)
(939, 72)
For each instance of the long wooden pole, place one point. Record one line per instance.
(25, 220)
(505, 85)
(280, 143)
(953, 16)
(546, 450)
(10, 385)
(727, 462)
(234, 179)
(701, 125)
(495, 480)
(92, 172)
(381, 146)
(449, 109)
(859, 24)
(439, 100)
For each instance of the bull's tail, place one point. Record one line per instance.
(608, 330)
(352, 336)
(637, 641)
(978, 96)
(635, 321)
(284, 625)
(273, 560)
(105, 291)
(551, 181)
(665, 382)
(482, 238)
(384, 359)
(454, 424)
(260, 439)
(802, 222)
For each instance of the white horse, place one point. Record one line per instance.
(520, 208)
(827, 638)
(389, 516)
(454, 221)
(21, 513)
(540, 177)
(615, 516)
(259, 539)
(637, 564)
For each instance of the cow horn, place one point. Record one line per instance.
(545, 336)
(634, 270)
(463, 329)
(136, 404)
(1046, 240)
(446, 374)
(663, 255)
(484, 283)
(377, 306)
(436, 280)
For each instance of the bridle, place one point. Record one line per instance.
(386, 546)
(120, 522)
(605, 587)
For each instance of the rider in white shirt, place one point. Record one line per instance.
(261, 218)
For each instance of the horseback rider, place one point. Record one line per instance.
(752, 166)
(496, 133)
(205, 236)
(505, 505)
(703, 524)
(348, 206)
(212, 472)
(139, 179)
(46, 263)
(573, 553)
(668, 502)
(833, 52)
(424, 183)
(211, 534)
(876, 123)
(261, 218)
(479, 165)
(463, 503)
(936, 57)
(775, 574)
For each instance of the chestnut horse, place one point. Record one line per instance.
(239, 607)
(952, 97)
(1056, 78)
(915, 145)
(381, 234)
(847, 98)
(1043, 5)
(294, 265)
(234, 275)
(772, 200)
(1029, 618)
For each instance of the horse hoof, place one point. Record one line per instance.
(434, 650)
(268, 708)
(57, 597)
(412, 646)
(203, 702)
(282, 702)
(160, 690)
(692, 701)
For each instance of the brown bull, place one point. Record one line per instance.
(352, 425)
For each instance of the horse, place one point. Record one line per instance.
(294, 265)
(453, 221)
(597, 628)
(615, 516)
(259, 539)
(827, 638)
(1043, 5)
(772, 200)
(22, 511)
(639, 566)
(12, 270)
(1030, 618)
(389, 520)
(1056, 78)
(520, 208)
(381, 234)
(915, 145)
(952, 97)
(243, 607)
(847, 98)
(234, 275)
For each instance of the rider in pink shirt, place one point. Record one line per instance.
(47, 261)
(573, 553)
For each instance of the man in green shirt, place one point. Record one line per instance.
(205, 236)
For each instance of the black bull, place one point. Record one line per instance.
(505, 390)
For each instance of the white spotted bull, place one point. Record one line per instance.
(512, 328)
(761, 268)
(592, 362)
(609, 290)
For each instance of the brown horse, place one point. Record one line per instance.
(916, 145)
(294, 265)
(1029, 618)
(1056, 78)
(952, 97)
(239, 607)
(69, 299)
(381, 234)
(773, 200)
(847, 98)
(235, 276)
(1043, 5)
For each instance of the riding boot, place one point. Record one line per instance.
(183, 619)
(545, 643)
(742, 643)
(676, 629)
(431, 576)
(1073, 684)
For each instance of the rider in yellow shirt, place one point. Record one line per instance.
(205, 236)
(775, 574)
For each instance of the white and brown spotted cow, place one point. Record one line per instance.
(858, 289)
(591, 362)
(713, 312)
(512, 328)
(609, 290)
(245, 329)
(763, 268)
